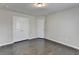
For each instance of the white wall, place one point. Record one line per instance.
(63, 27)
(6, 26)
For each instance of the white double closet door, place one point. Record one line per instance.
(21, 28)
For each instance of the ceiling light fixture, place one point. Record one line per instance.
(40, 4)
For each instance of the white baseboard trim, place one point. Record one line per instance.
(75, 47)
(6, 44)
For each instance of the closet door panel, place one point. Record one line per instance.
(40, 27)
(21, 28)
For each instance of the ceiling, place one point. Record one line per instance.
(28, 8)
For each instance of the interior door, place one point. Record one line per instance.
(20, 28)
(40, 27)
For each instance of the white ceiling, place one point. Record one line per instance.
(28, 8)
